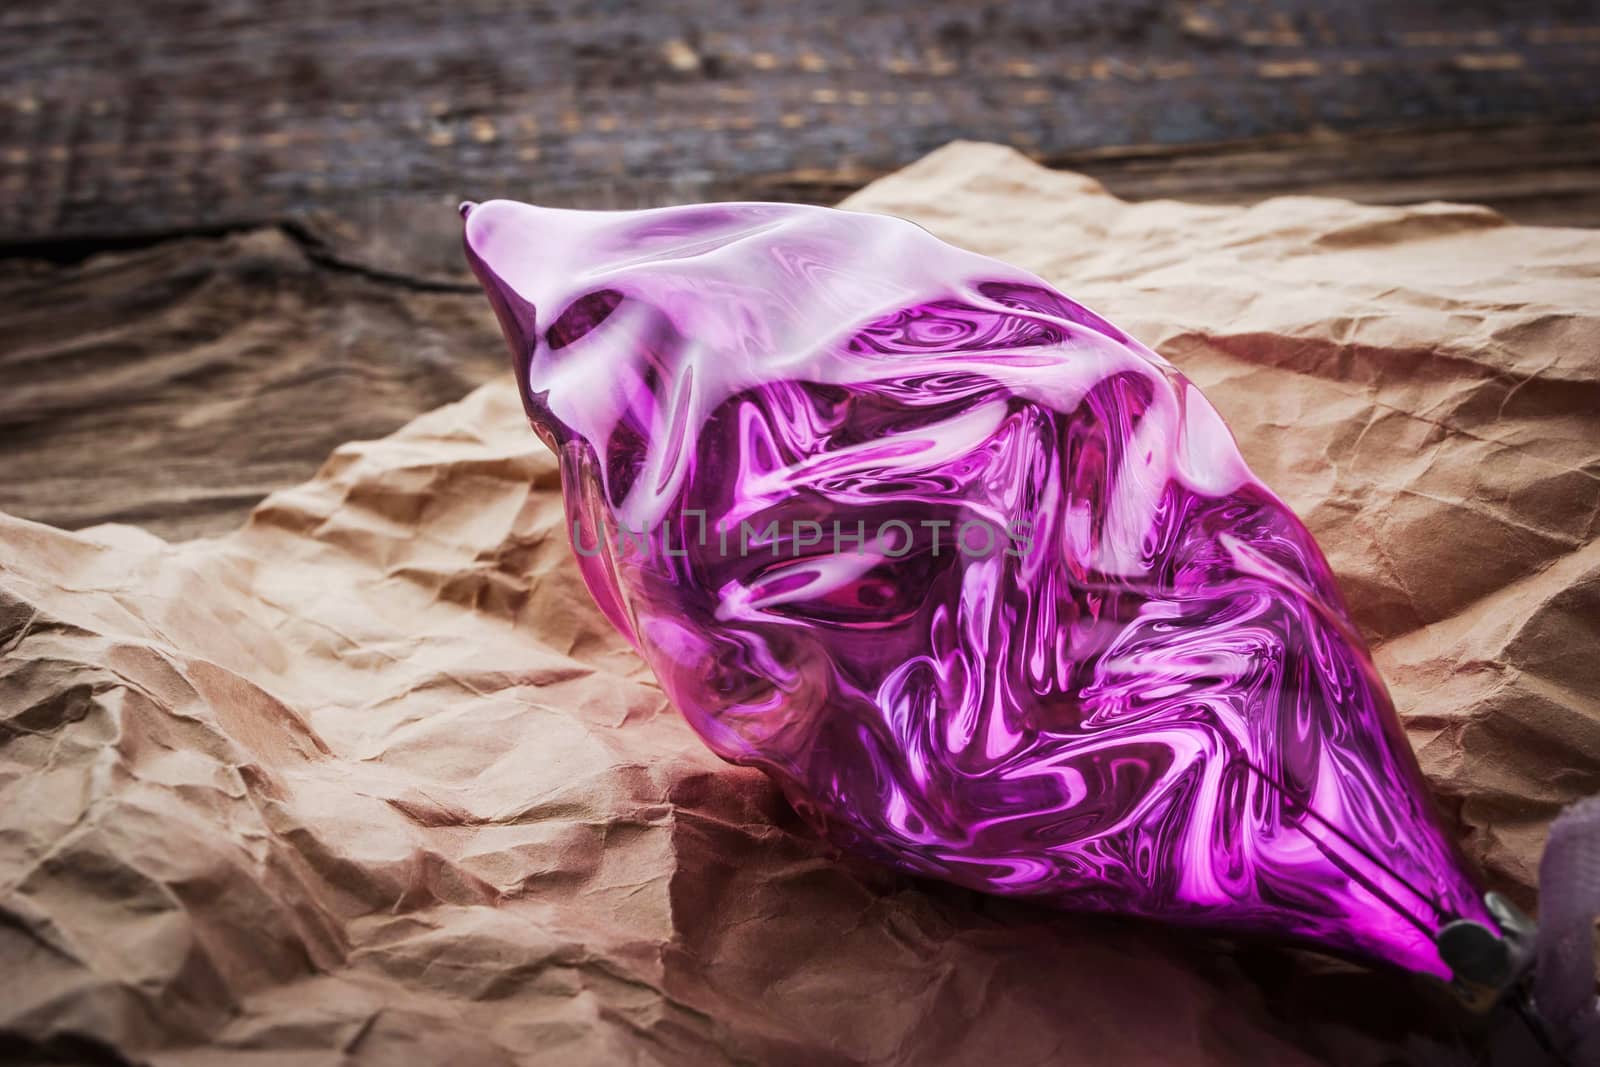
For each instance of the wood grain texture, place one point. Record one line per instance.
(176, 385)
(1535, 173)
(159, 116)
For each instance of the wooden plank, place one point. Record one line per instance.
(1533, 173)
(1538, 173)
(162, 117)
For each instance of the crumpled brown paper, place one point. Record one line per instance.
(371, 780)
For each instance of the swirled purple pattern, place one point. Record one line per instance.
(981, 581)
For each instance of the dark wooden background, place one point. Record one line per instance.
(227, 237)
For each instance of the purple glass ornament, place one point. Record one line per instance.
(982, 582)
